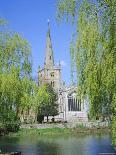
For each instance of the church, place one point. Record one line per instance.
(71, 107)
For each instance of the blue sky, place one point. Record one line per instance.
(29, 18)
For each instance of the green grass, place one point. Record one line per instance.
(47, 131)
(58, 131)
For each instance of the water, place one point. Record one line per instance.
(62, 145)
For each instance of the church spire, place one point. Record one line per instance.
(49, 59)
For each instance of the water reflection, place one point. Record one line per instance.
(64, 145)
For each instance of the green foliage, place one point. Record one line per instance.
(87, 56)
(55, 131)
(109, 57)
(47, 101)
(114, 130)
(66, 8)
(2, 21)
(93, 53)
(15, 77)
(10, 122)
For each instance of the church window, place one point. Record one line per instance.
(74, 104)
(50, 57)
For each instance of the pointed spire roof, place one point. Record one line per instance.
(49, 58)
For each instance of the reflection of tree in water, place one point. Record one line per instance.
(69, 145)
(38, 145)
(48, 148)
(29, 145)
(8, 144)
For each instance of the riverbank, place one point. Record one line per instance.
(90, 124)
(60, 131)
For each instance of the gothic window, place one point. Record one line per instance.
(50, 57)
(74, 104)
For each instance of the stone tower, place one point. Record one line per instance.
(49, 58)
(50, 73)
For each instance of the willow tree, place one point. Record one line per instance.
(93, 51)
(15, 64)
(85, 51)
(109, 56)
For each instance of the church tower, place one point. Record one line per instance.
(50, 73)
(49, 58)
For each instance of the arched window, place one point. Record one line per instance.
(74, 104)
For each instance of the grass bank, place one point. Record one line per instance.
(60, 131)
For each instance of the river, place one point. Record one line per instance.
(59, 145)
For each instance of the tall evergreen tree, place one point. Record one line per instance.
(48, 105)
